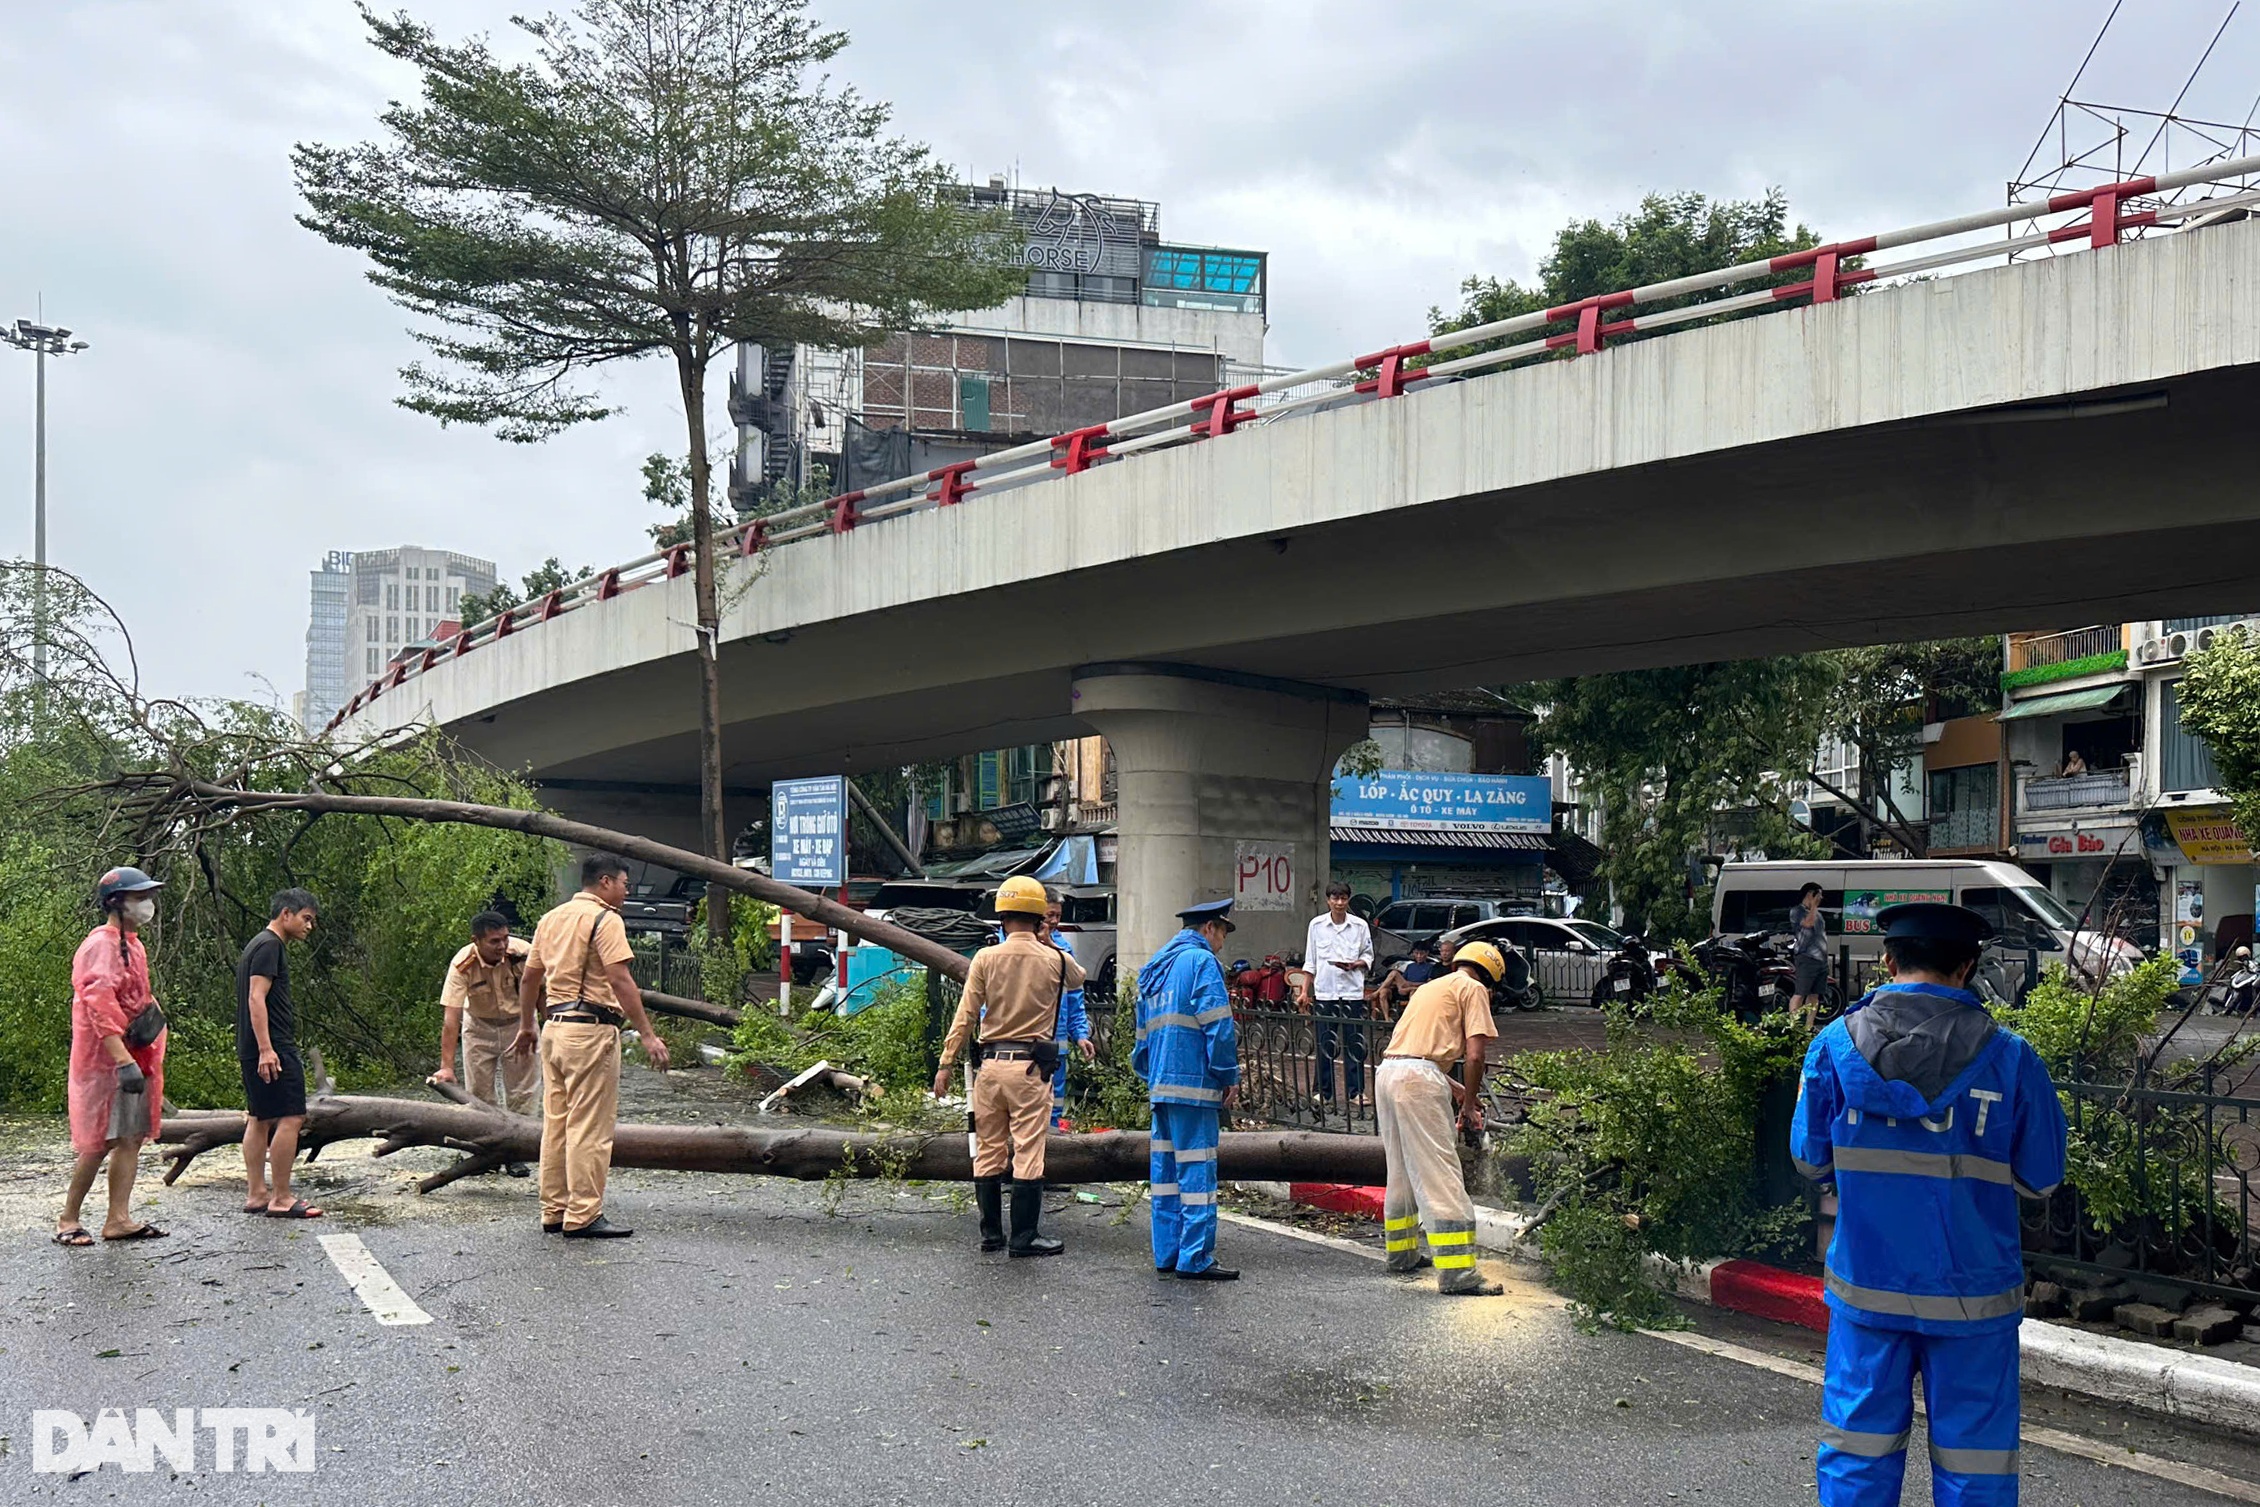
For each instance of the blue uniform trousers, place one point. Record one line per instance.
(1059, 1084)
(1867, 1408)
(1183, 1192)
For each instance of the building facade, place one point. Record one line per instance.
(367, 605)
(2111, 799)
(1114, 321)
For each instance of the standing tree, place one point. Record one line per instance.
(1882, 697)
(663, 177)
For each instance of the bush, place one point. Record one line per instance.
(885, 1042)
(1649, 1145)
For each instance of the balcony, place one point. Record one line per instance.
(2099, 790)
(2039, 651)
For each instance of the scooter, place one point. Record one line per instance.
(2243, 987)
(1631, 974)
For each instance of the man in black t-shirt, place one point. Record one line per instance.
(266, 1048)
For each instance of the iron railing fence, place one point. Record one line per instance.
(2176, 1208)
(2091, 217)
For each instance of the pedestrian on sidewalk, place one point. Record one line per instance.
(478, 1007)
(1188, 1052)
(1009, 1013)
(266, 1051)
(1074, 1029)
(1338, 949)
(1809, 955)
(577, 969)
(1931, 1121)
(1447, 1020)
(117, 1071)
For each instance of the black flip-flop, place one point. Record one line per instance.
(139, 1232)
(75, 1237)
(299, 1209)
(258, 1208)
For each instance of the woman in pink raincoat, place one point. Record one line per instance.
(117, 1080)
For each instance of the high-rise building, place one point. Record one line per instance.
(367, 604)
(325, 641)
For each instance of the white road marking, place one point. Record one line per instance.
(1335, 1242)
(2197, 1477)
(370, 1282)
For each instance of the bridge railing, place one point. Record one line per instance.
(2095, 217)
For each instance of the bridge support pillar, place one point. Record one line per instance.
(1224, 783)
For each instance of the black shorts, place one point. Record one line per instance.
(283, 1099)
(1811, 974)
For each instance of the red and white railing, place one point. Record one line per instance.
(2098, 217)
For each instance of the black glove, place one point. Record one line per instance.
(130, 1078)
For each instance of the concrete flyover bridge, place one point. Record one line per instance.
(1217, 587)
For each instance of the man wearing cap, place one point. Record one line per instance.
(1013, 994)
(1189, 1054)
(1447, 1021)
(1930, 1120)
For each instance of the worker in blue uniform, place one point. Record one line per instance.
(1931, 1120)
(1074, 1020)
(1189, 1054)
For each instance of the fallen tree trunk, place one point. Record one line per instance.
(690, 1009)
(543, 824)
(489, 1137)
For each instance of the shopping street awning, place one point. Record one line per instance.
(2093, 699)
(1431, 837)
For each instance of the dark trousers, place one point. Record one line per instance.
(1341, 1033)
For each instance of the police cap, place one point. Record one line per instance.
(1931, 921)
(1206, 911)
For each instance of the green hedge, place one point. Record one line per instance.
(2070, 669)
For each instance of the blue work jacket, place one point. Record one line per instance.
(1074, 1020)
(1930, 1120)
(1188, 1050)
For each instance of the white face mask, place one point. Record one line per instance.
(139, 909)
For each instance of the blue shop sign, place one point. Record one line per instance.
(808, 831)
(1409, 800)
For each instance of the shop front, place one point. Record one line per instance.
(2212, 881)
(1404, 834)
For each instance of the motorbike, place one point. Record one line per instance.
(1631, 974)
(1518, 988)
(2242, 990)
(1758, 972)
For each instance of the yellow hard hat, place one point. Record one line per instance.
(1484, 956)
(1023, 896)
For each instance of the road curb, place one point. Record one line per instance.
(2175, 1383)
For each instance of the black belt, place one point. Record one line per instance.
(580, 1012)
(1008, 1052)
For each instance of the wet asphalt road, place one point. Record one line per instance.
(750, 1346)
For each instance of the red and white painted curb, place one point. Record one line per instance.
(2200, 1388)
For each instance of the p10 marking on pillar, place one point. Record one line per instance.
(1263, 875)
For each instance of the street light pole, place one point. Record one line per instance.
(42, 340)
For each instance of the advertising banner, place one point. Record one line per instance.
(2209, 834)
(1403, 799)
(1860, 906)
(808, 831)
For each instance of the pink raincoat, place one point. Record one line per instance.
(109, 985)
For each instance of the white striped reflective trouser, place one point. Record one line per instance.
(1413, 1102)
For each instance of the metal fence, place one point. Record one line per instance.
(2177, 1208)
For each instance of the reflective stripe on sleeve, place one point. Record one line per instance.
(1213, 1014)
(1173, 1018)
(1915, 1305)
(1867, 1446)
(1973, 1462)
(2026, 1190)
(1814, 1171)
(1982, 1169)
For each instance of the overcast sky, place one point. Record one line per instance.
(234, 417)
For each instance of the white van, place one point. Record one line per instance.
(1759, 896)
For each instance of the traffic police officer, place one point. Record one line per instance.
(1930, 1120)
(1013, 993)
(1447, 1020)
(1189, 1054)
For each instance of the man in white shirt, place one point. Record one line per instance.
(1337, 951)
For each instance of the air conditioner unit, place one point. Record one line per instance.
(2177, 645)
(2150, 652)
(2205, 638)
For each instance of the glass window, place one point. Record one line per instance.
(1466, 915)
(392, 630)
(454, 597)
(392, 598)
(1762, 910)
(1607, 938)
(372, 659)
(1395, 916)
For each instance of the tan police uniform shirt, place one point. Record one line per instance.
(576, 942)
(1439, 1017)
(486, 992)
(1012, 992)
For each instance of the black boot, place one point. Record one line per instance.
(1027, 1208)
(988, 1197)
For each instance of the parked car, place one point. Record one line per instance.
(1428, 918)
(1567, 957)
(662, 909)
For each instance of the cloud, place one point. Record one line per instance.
(234, 418)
